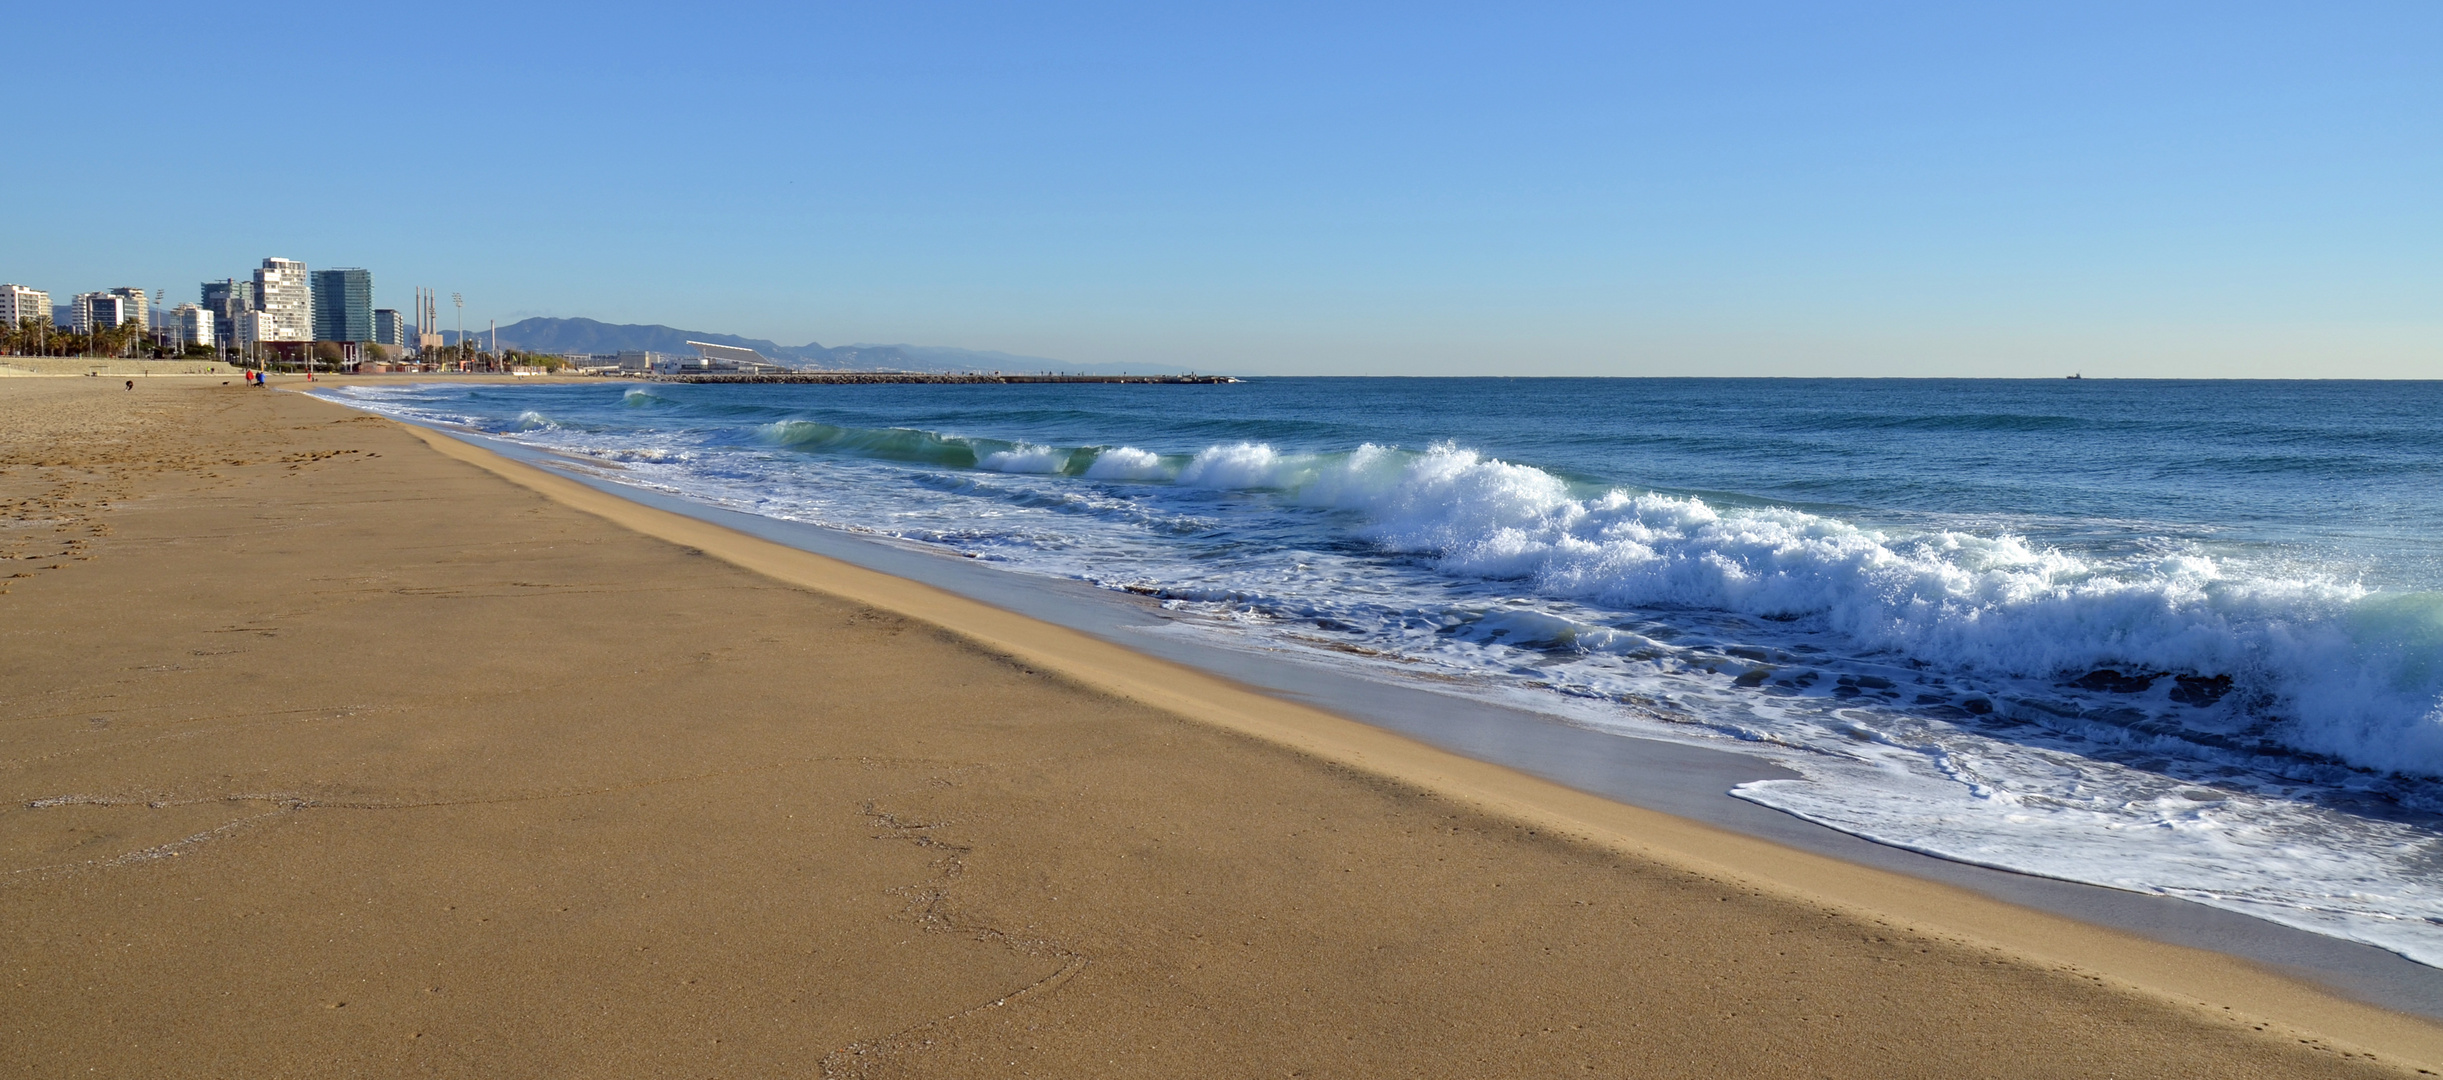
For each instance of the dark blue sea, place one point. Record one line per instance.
(2174, 637)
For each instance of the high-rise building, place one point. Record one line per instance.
(343, 305)
(228, 297)
(285, 300)
(192, 324)
(138, 309)
(100, 310)
(19, 304)
(389, 328)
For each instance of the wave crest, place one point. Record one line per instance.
(1128, 463)
(2357, 676)
(1027, 459)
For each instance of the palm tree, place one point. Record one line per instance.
(27, 337)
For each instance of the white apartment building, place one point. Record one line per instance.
(285, 299)
(248, 328)
(138, 309)
(19, 304)
(99, 310)
(192, 325)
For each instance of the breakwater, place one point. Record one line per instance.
(961, 378)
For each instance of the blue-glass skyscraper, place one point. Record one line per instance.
(343, 305)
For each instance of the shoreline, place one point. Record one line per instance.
(1681, 780)
(2142, 959)
(423, 757)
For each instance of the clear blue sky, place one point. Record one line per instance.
(1766, 188)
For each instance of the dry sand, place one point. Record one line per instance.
(326, 753)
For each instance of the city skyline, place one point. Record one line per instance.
(281, 302)
(2160, 189)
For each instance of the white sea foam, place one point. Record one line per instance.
(1128, 463)
(1247, 466)
(1027, 459)
(1917, 786)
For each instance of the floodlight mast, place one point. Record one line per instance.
(461, 303)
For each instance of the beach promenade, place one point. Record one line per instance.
(336, 748)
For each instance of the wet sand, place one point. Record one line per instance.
(331, 749)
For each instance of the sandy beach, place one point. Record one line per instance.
(332, 747)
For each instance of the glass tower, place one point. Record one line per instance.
(227, 298)
(343, 305)
(388, 327)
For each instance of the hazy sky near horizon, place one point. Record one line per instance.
(1739, 188)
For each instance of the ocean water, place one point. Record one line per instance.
(2174, 637)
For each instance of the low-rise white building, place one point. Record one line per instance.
(635, 360)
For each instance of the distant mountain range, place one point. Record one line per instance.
(591, 336)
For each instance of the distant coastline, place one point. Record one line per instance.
(592, 336)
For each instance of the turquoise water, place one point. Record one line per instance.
(2173, 637)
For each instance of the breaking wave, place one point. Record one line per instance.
(2349, 674)
(2338, 671)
